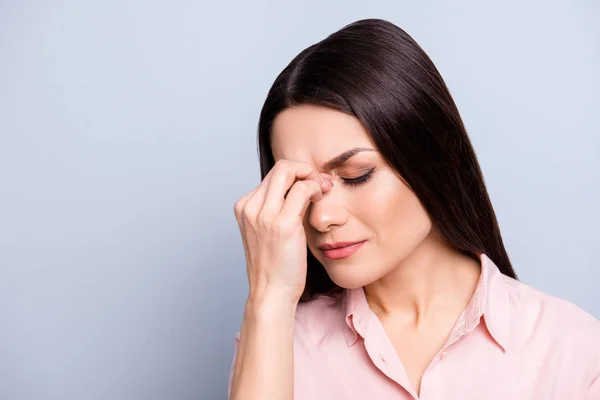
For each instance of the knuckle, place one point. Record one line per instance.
(304, 188)
(308, 188)
(241, 203)
(238, 207)
(281, 166)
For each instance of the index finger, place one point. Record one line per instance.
(284, 177)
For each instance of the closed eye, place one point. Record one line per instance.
(361, 180)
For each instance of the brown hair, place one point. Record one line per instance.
(373, 70)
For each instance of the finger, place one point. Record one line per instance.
(241, 203)
(282, 166)
(286, 175)
(243, 200)
(299, 198)
(256, 198)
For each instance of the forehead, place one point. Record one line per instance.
(315, 134)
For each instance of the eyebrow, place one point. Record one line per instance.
(340, 159)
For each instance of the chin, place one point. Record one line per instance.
(350, 277)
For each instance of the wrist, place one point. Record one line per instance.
(271, 304)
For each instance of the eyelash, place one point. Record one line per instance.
(361, 180)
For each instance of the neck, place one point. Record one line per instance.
(434, 279)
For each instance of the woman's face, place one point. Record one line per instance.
(368, 202)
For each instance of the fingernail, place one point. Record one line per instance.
(327, 179)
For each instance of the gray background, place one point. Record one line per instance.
(127, 132)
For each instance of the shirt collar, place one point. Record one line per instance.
(490, 300)
(355, 306)
(496, 304)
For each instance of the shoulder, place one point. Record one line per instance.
(538, 307)
(539, 317)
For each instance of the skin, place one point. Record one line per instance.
(416, 284)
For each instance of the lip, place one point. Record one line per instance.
(337, 251)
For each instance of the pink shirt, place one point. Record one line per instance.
(511, 342)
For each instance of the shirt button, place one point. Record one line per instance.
(442, 355)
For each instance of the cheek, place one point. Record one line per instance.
(395, 214)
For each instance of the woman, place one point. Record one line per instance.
(375, 262)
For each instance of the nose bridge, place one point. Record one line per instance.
(327, 213)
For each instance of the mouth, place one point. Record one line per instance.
(338, 251)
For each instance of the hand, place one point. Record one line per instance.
(270, 220)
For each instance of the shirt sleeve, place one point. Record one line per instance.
(236, 345)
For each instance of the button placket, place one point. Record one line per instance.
(380, 360)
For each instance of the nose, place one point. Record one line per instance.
(327, 213)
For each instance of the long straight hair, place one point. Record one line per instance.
(373, 70)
